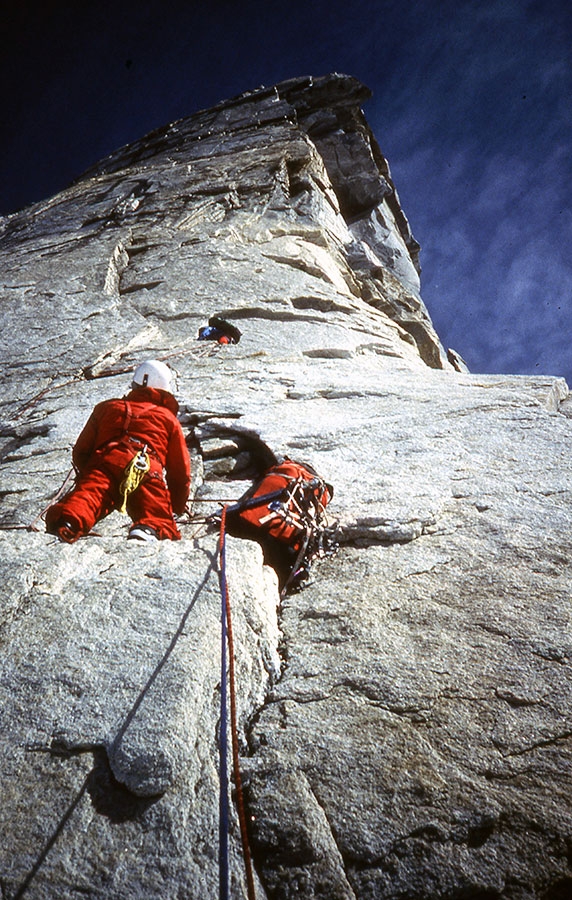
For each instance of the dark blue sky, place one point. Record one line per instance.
(472, 107)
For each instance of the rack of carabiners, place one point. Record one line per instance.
(296, 503)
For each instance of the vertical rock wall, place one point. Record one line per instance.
(405, 720)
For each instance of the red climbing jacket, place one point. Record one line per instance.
(116, 430)
(289, 495)
(285, 512)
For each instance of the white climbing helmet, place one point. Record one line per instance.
(154, 374)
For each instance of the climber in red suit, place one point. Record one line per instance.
(145, 421)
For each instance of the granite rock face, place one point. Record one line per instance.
(406, 719)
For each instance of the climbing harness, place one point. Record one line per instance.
(134, 474)
(227, 669)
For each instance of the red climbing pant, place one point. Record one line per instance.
(96, 494)
(115, 432)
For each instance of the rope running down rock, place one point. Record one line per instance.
(227, 637)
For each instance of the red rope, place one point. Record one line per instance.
(68, 478)
(234, 731)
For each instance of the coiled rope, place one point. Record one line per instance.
(227, 639)
(134, 474)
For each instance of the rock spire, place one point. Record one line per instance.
(405, 720)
